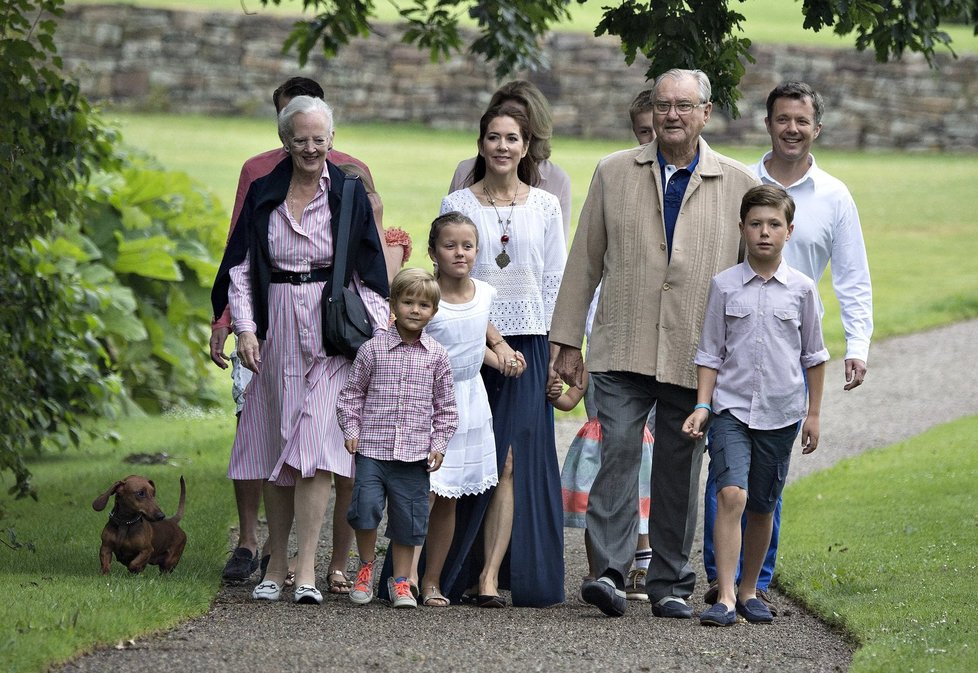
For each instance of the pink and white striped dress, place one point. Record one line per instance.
(288, 424)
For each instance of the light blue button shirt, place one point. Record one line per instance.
(760, 335)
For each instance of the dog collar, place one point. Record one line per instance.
(120, 522)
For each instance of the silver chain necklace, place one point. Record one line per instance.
(502, 259)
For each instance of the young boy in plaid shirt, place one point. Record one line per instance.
(397, 412)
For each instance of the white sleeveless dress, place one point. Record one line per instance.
(469, 467)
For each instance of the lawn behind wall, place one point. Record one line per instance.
(55, 602)
(917, 210)
(883, 545)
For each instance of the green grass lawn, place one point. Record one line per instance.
(883, 545)
(917, 210)
(55, 602)
(765, 21)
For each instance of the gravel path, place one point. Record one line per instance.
(914, 382)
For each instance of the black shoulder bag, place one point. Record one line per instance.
(346, 325)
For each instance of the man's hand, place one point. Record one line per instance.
(351, 445)
(569, 366)
(249, 351)
(219, 336)
(855, 374)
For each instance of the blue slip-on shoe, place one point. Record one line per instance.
(672, 607)
(718, 615)
(603, 594)
(755, 611)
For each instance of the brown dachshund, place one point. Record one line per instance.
(138, 532)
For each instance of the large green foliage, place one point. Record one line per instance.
(145, 251)
(670, 33)
(55, 371)
(104, 261)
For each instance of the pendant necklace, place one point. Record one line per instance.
(502, 259)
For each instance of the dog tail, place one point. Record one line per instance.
(183, 499)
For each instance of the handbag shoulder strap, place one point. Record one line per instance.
(342, 243)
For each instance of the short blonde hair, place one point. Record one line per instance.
(415, 282)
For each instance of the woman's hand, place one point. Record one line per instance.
(513, 367)
(249, 350)
(511, 363)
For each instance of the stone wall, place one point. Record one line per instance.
(229, 63)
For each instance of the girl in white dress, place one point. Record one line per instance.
(462, 327)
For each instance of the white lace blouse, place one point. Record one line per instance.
(527, 287)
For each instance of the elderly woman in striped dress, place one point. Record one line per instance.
(274, 275)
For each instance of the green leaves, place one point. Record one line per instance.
(103, 259)
(701, 34)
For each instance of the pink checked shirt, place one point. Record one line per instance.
(399, 400)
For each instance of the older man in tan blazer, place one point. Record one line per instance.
(659, 222)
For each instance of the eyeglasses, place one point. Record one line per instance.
(683, 108)
(301, 143)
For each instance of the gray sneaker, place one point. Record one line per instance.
(363, 587)
(400, 593)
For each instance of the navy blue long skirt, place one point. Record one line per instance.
(533, 569)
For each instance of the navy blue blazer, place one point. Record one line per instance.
(366, 256)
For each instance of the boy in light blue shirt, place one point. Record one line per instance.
(761, 343)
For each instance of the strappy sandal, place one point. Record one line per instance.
(338, 583)
(433, 594)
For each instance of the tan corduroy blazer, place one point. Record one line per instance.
(651, 308)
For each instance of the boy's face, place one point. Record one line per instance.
(412, 312)
(765, 231)
(642, 127)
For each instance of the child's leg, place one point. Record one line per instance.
(730, 464)
(441, 530)
(727, 540)
(757, 539)
(498, 529)
(643, 552)
(408, 491)
(367, 505)
(770, 457)
(366, 544)
(403, 555)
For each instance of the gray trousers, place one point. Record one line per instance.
(624, 400)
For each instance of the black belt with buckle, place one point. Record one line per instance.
(319, 275)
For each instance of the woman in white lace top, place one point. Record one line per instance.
(521, 254)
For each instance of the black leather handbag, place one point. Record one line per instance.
(346, 325)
